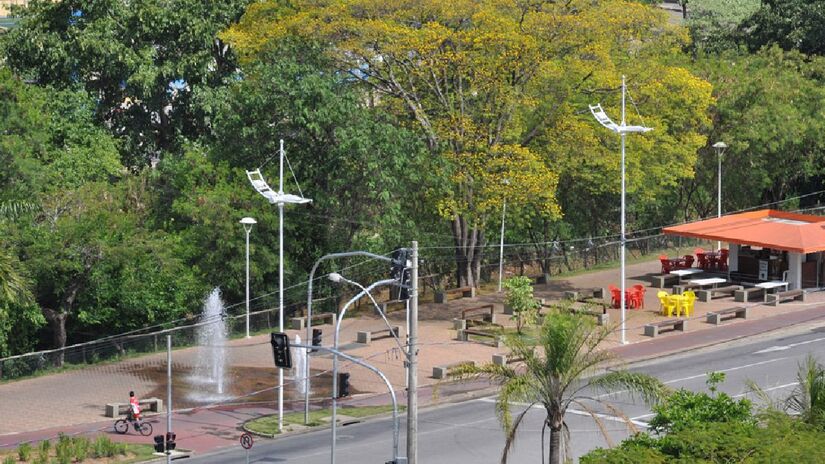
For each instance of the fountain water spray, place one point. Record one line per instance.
(210, 368)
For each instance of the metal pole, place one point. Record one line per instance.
(719, 193)
(624, 244)
(501, 247)
(309, 309)
(281, 285)
(247, 280)
(412, 393)
(168, 392)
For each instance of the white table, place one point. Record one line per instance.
(686, 272)
(773, 284)
(709, 281)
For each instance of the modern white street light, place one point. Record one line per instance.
(280, 198)
(621, 129)
(247, 222)
(720, 150)
(501, 245)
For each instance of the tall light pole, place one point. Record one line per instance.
(720, 150)
(247, 222)
(501, 245)
(622, 130)
(280, 198)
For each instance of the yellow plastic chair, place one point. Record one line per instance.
(667, 304)
(678, 303)
(689, 299)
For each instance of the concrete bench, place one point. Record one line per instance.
(678, 289)
(707, 295)
(486, 313)
(653, 329)
(146, 404)
(664, 280)
(715, 317)
(602, 317)
(385, 306)
(443, 371)
(744, 295)
(368, 336)
(495, 339)
(773, 299)
(502, 359)
(579, 295)
(299, 323)
(466, 292)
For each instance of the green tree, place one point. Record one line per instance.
(714, 24)
(806, 401)
(145, 62)
(519, 297)
(558, 379)
(790, 24)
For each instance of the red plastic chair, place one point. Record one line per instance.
(703, 260)
(639, 296)
(615, 295)
(665, 264)
(688, 261)
(723, 262)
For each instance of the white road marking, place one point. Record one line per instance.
(577, 412)
(788, 346)
(778, 387)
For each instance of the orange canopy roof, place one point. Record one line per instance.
(780, 230)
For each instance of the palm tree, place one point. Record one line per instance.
(13, 286)
(561, 379)
(806, 400)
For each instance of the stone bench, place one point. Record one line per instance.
(602, 317)
(580, 295)
(773, 299)
(465, 334)
(443, 371)
(715, 317)
(653, 329)
(679, 289)
(385, 306)
(744, 295)
(509, 311)
(146, 404)
(368, 336)
(441, 296)
(485, 312)
(707, 295)
(664, 280)
(299, 323)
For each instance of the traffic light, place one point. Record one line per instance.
(280, 350)
(401, 273)
(316, 337)
(170, 441)
(159, 448)
(343, 384)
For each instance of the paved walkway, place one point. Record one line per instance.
(73, 401)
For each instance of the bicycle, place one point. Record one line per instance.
(122, 425)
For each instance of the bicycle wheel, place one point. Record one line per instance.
(145, 429)
(121, 426)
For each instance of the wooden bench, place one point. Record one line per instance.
(369, 335)
(579, 295)
(773, 299)
(663, 281)
(146, 404)
(466, 292)
(385, 306)
(465, 334)
(678, 289)
(443, 371)
(707, 295)
(715, 317)
(487, 313)
(653, 329)
(744, 295)
(299, 323)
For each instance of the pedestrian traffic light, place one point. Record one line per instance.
(170, 441)
(401, 273)
(343, 384)
(280, 350)
(159, 448)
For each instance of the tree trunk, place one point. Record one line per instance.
(57, 321)
(555, 446)
(468, 260)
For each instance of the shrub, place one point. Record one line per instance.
(9, 459)
(81, 448)
(44, 446)
(519, 298)
(24, 452)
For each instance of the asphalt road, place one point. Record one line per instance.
(470, 432)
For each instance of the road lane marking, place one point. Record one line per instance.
(778, 387)
(577, 412)
(788, 346)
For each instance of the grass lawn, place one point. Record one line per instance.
(133, 453)
(268, 425)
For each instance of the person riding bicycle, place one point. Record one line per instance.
(134, 407)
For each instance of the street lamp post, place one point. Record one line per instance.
(501, 245)
(720, 150)
(622, 130)
(335, 277)
(247, 222)
(280, 198)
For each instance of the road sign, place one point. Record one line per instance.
(246, 441)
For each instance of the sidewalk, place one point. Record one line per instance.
(72, 402)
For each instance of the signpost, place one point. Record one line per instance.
(246, 443)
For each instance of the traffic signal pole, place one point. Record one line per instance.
(412, 358)
(168, 393)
